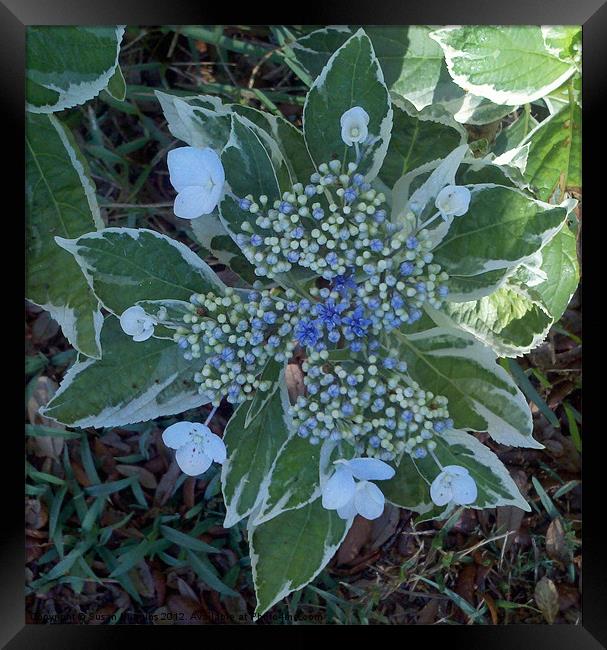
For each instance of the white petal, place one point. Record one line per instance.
(188, 166)
(356, 117)
(214, 447)
(339, 489)
(194, 201)
(177, 434)
(146, 331)
(369, 500)
(132, 320)
(453, 200)
(347, 511)
(440, 490)
(456, 470)
(464, 490)
(370, 469)
(192, 459)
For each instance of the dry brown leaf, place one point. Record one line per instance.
(166, 485)
(143, 580)
(556, 543)
(36, 514)
(428, 613)
(295, 381)
(385, 526)
(186, 611)
(146, 478)
(358, 536)
(492, 608)
(569, 596)
(509, 520)
(44, 446)
(464, 586)
(547, 599)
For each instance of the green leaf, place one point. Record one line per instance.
(288, 138)
(211, 233)
(126, 265)
(61, 201)
(408, 488)
(187, 541)
(507, 65)
(249, 170)
(352, 77)
(564, 41)
(555, 154)
(482, 395)
(117, 85)
(494, 483)
(527, 387)
(413, 65)
(289, 551)
(560, 264)
(253, 444)
(133, 382)
(295, 479)
(501, 228)
(417, 140)
(199, 120)
(511, 321)
(205, 573)
(67, 66)
(513, 135)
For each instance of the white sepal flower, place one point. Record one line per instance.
(136, 323)
(453, 201)
(197, 446)
(199, 177)
(354, 125)
(453, 484)
(342, 493)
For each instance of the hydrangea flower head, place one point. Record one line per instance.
(136, 323)
(198, 176)
(197, 446)
(354, 125)
(453, 484)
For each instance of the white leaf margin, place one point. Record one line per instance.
(233, 513)
(385, 127)
(510, 98)
(79, 93)
(501, 431)
(288, 587)
(63, 314)
(188, 255)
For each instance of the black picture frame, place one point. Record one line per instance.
(16, 15)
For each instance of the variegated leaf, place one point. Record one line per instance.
(493, 481)
(253, 444)
(289, 551)
(502, 227)
(133, 382)
(351, 77)
(507, 65)
(67, 66)
(61, 201)
(126, 265)
(481, 394)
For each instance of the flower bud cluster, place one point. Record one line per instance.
(237, 336)
(368, 405)
(335, 222)
(337, 227)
